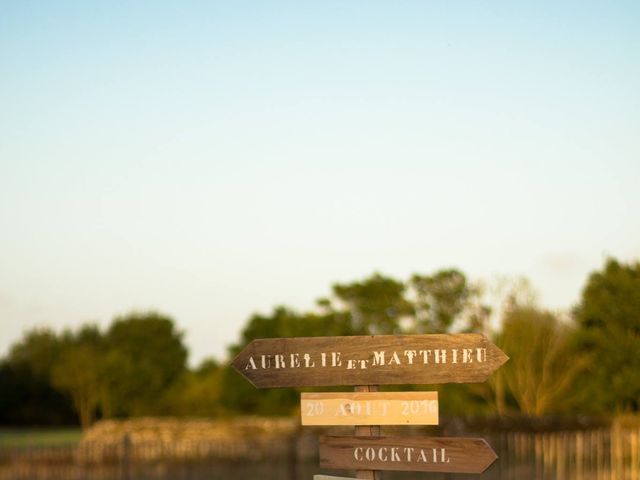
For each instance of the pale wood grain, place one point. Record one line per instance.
(329, 477)
(370, 408)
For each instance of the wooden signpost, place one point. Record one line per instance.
(367, 361)
(430, 454)
(369, 408)
(328, 477)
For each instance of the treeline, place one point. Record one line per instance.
(586, 362)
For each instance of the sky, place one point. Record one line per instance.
(211, 160)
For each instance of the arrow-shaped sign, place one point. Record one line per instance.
(369, 360)
(430, 454)
(328, 477)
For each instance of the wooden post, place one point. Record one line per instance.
(580, 454)
(367, 431)
(292, 455)
(125, 459)
(634, 454)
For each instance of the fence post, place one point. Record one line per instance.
(125, 459)
(292, 461)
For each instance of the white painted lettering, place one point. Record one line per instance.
(370, 454)
(394, 454)
(266, 361)
(425, 355)
(481, 354)
(251, 365)
(335, 359)
(295, 360)
(422, 457)
(467, 355)
(443, 456)
(378, 358)
(401, 454)
(307, 361)
(407, 452)
(394, 358)
(381, 451)
(357, 454)
(410, 354)
(280, 361)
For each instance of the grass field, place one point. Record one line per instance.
(39, 437)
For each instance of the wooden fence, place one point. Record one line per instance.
(599, 454)
(602, 454)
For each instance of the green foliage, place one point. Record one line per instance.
(146, 356)
(542, 370)
(239, 396)
(116, 391)
(611, 298)
(609, 320)
(76, 372)
(26, 394)
(375, 304)
(138, 365)
(196, 393)
(123, 372)
(37, 352)
(284, 322)
(441, 299)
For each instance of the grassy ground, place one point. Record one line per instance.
(39, 437)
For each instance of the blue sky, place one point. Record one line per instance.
(213, 159)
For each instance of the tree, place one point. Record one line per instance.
(609, 320)
(285, 322)
(26, 394)
(504, 294)
(441, 298)
(76, 372)
(116, 391)
(123, 372)
(376, 305)
(542, 369)
(39, 350)
(152, 356)
(196, 394)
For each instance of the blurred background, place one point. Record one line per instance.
(177, 179)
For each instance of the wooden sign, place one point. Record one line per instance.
(369, 360)
(379, 408)
(328, 477)
(430, 454)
